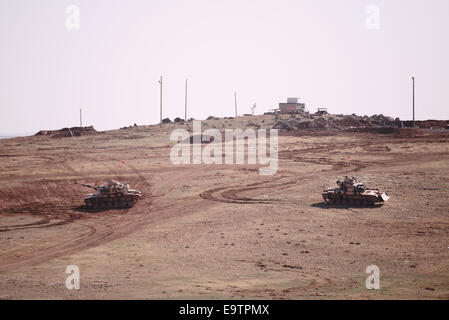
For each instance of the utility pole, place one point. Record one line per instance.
(81, 118)
(413, 79)
(160, 81)
(235, 102)
(185, 113)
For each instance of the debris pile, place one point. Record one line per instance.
(434, 124)
(326, 121)
(68, 132)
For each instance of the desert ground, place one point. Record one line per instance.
(225, 231)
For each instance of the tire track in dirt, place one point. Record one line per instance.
(102, 227)
(231, 194)
(153, 207)
(54, 211)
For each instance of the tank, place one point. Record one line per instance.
(350, 191)
(112, 195)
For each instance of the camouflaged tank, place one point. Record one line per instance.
(350, 191)
(112, 195)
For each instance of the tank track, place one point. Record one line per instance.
(340, 199)
(111, 202)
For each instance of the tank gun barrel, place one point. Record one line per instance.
(89, 186)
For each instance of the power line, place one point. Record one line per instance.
(185, 113)
(160, 82)
(413, 80)
(235, 102)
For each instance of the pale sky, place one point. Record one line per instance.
(267, 50)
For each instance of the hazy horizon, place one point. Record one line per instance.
(321, 51)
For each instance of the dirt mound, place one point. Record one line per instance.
(402, 132)
(310, 133)
(68, 132)
(308, 121)
(205, 139)
(427, 124)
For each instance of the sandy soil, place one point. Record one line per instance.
(224, 231)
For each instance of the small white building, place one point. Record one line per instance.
(292, 106)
